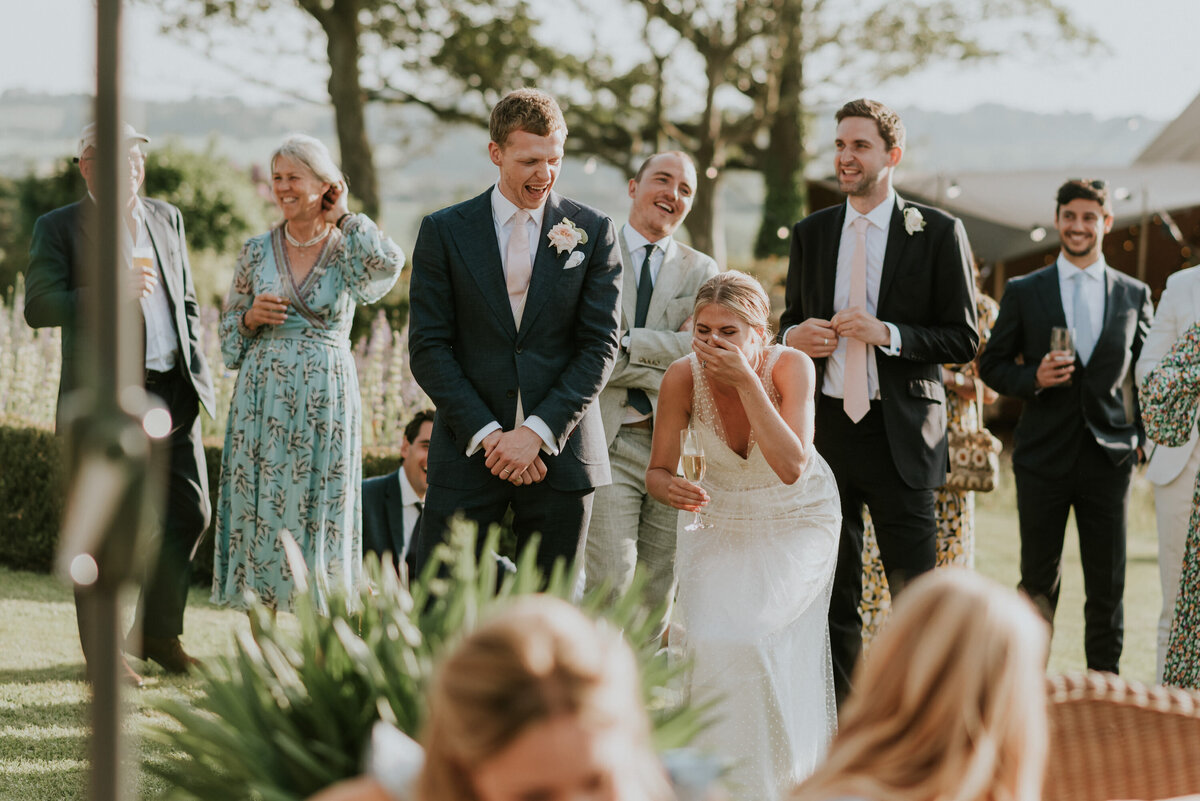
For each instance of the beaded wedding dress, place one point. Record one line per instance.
(753, 604)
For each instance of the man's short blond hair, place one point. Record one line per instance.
(529, 110)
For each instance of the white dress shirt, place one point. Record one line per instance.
(412, 508)
(1093, 292)
(162, 342)
(502, 211)
(880, 219)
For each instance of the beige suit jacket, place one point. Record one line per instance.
(1178, 310)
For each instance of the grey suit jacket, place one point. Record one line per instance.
(653, 347)
(56, 290)
(469, 357)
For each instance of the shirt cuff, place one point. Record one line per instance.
(537, 426)
(783, 336)
(893, 348)
(473, 445)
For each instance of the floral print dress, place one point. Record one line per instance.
(293, 443)
(1170, 396)
(954, 510)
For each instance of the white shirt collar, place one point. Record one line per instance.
(1066, 270)
(408, 495)
(635, 242)
(503, 209)
(880, 216)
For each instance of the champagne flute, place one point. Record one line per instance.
(691, 457)
(1062, 338)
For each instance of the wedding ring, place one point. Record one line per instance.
(703, 365)
(824, 341)
(505, 472)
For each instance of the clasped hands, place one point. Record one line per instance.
(514, 456)
(819, 338)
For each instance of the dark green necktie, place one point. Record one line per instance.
(637, 398)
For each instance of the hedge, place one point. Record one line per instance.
(32, 497)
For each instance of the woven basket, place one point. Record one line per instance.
(1113, 739)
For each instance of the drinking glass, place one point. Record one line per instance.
(691, 457)
(1063, 339)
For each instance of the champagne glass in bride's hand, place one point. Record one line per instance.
(691, 457)
(1062, 339)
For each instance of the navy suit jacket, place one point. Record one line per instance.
(470, 359)
(1101, 395)
(926, 291)
(56, 288)
(383, 516)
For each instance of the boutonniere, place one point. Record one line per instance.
(913, 221)
(565, 236)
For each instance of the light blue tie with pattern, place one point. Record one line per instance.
(1085, 337)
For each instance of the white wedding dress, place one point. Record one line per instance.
(753, 603)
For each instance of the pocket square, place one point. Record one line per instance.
(574, 260)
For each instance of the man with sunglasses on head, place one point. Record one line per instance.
(160, 278)
(1080, 433)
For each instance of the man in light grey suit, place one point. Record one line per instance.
(1172, 471)
(515, 305)
(661, 277)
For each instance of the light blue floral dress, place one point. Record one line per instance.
(293, 443)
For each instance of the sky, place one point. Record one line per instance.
(1147, 68)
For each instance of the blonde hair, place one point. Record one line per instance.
(741, 294)
(539, 659)
(951, 703)
(312, 153)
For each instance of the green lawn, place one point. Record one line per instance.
(43, 699)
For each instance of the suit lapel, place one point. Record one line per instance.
(1050, 296)
(628, 284)
(896, 241)
(160, 238)
(548, 263)
(475, 238)
(669, 275)
(1114, 301)
(829, 261)
(394, 508)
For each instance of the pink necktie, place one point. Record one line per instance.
(517, 265)
(854, 381)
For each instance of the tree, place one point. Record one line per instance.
(729, 82)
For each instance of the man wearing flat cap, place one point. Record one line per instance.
(175, 370)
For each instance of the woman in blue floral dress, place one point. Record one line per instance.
(1170, 396)
(292, 457)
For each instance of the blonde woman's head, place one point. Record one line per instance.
(733, 306)
(541, 701)
(949, 705)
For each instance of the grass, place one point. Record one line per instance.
(44, 700)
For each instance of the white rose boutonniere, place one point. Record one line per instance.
(565, 236)
(913, 221)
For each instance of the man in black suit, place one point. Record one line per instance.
(515, 310)
(392, 503)
(175, 370)
(1080, 434)
(879, 294)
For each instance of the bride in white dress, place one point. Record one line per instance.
(753, 599)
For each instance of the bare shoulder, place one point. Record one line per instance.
(793, 369)
(678, 375)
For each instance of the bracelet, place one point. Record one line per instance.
(342, 219)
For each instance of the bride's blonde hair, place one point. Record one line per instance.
(951, 703)
(739, 293)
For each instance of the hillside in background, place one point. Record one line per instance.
(425, 165)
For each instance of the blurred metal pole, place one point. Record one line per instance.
(111, 499)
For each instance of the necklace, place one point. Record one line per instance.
(298, 244)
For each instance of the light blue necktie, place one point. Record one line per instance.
(1085, 337)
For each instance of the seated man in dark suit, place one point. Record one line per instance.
(392, 503)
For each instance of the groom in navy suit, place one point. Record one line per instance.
(879, 294)
(515, 307)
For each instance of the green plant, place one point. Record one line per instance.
(289, 713)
